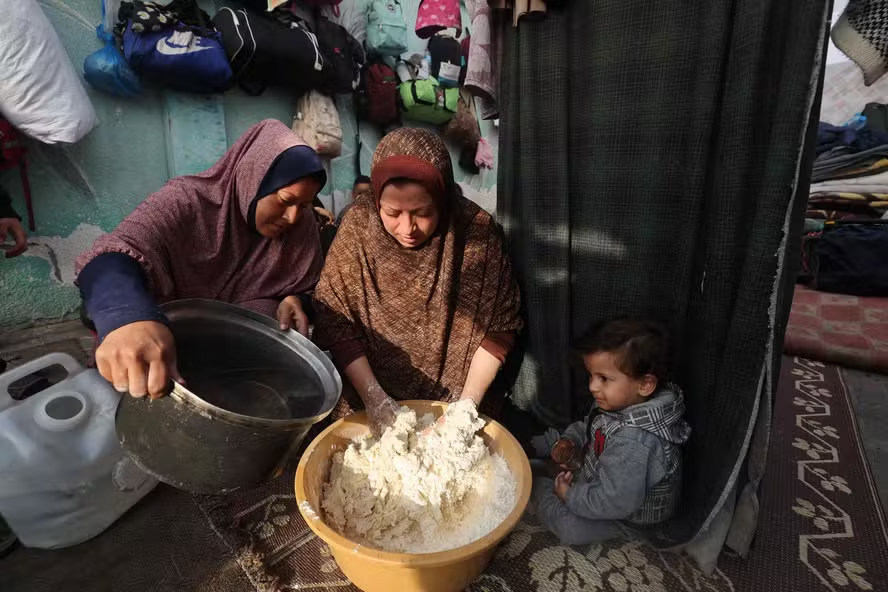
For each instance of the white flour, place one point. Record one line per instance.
(420, 493)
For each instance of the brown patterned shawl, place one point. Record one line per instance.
(193, 241)
(419, 314)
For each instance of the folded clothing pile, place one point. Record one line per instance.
(846, 235)
(850, 175)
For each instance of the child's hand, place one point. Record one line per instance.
(562, 483)
(541, 445)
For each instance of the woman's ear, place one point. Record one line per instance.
(647, 385)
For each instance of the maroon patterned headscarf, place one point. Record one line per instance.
(193, 240)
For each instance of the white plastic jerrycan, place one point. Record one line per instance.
(63, 475)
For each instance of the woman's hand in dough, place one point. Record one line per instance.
(139, 358)
(381, 409)
(291, 315)
(441, 420)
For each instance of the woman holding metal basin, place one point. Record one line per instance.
(417, 299)
(237, 233)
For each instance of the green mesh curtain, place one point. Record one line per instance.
(655, 161)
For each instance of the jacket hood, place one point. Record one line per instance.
(661, 415)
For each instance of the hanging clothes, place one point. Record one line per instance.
(860, 34)
(660, 171)
(522, 9)
(481, 64)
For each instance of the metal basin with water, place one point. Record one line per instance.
(252, 392)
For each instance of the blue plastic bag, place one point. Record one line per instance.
(106, 69)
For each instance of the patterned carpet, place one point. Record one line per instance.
(850, 331)
(821, 522)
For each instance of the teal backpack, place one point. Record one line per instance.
(386, 28)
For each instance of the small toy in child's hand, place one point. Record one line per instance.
(564, 454)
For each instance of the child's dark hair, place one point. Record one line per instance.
(640, 346)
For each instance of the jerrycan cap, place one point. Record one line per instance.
(61, 411)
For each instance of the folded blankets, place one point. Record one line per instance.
(877, 183)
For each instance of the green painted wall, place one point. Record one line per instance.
(82, 190)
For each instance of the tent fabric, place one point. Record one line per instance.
(660, 171)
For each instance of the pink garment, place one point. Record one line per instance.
(481, 69)
(193, 241)
(484, 154)
(437, 15)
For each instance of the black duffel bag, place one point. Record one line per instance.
(343, 57)
(264, 51)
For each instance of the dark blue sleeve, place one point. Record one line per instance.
(307, 306)
(115, 293)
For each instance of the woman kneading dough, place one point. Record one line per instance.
(417, 299)
(241, 232)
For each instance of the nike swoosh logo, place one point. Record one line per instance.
(179, 43)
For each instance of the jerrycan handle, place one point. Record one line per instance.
(64, 360)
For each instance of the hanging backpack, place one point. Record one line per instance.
(180, 58)
(378, 99)
(343, 57)
(317, 123)
(428, 101)
(447, 60)
(436, 15)
(386, 28)
(264, 51)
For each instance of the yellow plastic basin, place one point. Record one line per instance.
(373, 570)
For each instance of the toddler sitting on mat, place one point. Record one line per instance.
(621, 466)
